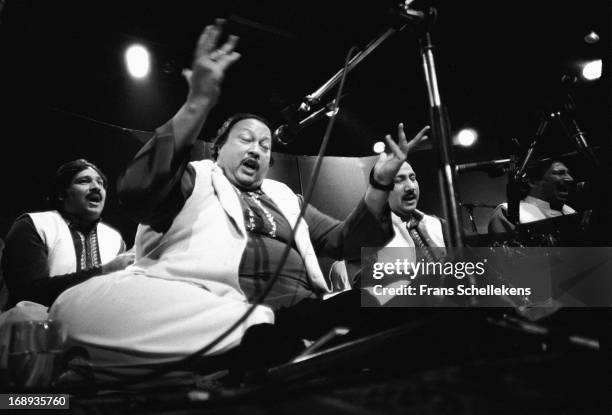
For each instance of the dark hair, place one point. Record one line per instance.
(537, 170)
(225, 129)
(63, 177)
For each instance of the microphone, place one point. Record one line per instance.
(494, 168)
(287, 133)
(586, 195)
(580, 187)
(284, 134)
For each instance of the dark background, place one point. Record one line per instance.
(65, 93)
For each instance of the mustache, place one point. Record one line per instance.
(95, 193)
(251, 160)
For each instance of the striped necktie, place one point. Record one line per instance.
(423, 250)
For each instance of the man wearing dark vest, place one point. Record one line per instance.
(209, 229)
(48, 252)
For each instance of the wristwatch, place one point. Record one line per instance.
(379, 186)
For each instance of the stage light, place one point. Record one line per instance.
(466, 137)
(592, 70)
(378, 147)
(591, 37)
(138, 61)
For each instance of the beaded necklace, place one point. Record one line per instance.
(254, 196)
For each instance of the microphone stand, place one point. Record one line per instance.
(440, 125)
(500, 166)
(572, 130)
(469, 207)
(567, 120)
(516, 176)
(313, 99)
(285, 132)
(438, 115)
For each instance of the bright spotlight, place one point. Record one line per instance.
(592, 70)
(466, 137)
(137, 61)
(379, 147)
(591, 37)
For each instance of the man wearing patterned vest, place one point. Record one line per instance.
(210, 232)
(48, 252)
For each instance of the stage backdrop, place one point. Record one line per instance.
(33, 151)
(342, 182)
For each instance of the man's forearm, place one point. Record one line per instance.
(45, 289)
(188, 121)
(362, 227)
(376, 201)
(158, 167)
(155, 173)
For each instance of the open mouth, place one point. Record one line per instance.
(409, 198)
(251, 165)
(94, 198)
(563, 191)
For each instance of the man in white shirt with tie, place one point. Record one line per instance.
(413, 229)
(550, 184)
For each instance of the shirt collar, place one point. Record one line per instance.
(539, 203)
(415, 218)
(74, 223)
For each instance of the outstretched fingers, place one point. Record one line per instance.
(209, 38)
(227, 54)
(401, 135)
(227, 60)
(403, 146)
(394, 148)
(229, 46)
(421, 136)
